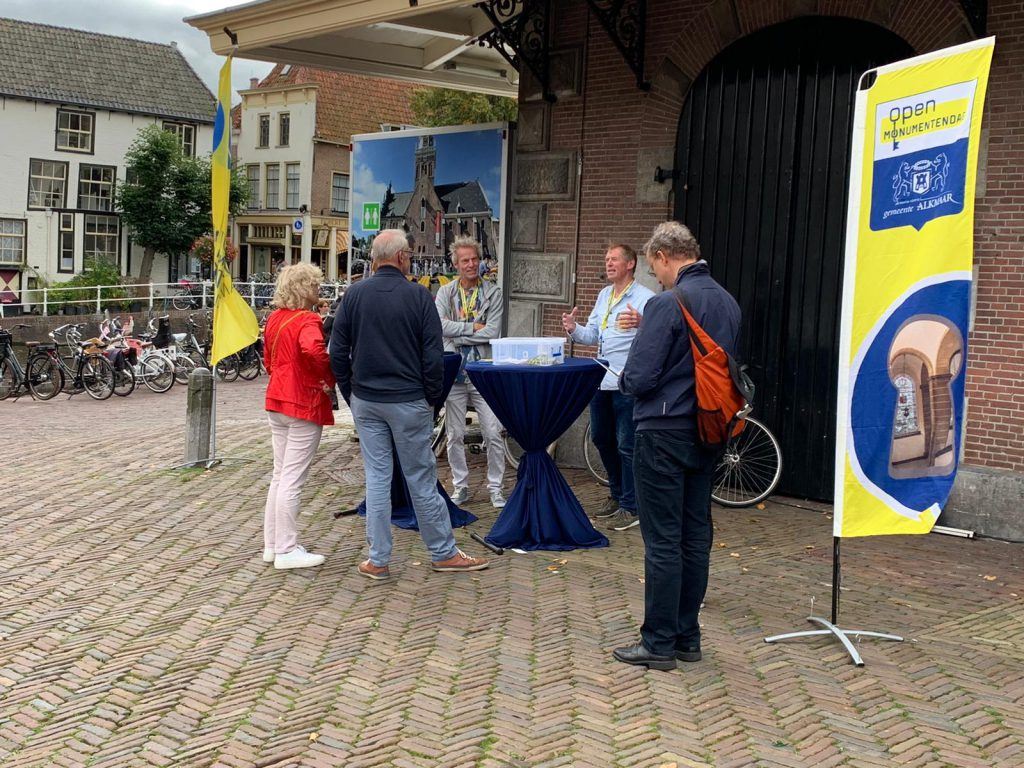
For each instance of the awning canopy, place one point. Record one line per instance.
(433, 42)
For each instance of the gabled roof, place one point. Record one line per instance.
(69, 66)
(466, 196)
(399, 206)
(348, 104)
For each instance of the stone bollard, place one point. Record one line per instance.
(198, 413)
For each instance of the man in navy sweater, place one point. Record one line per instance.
(671, 468)
(386, 356)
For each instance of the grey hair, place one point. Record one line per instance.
(386, 246)
(465, 241)
(674, 240)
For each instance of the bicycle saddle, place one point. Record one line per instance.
(42, 346)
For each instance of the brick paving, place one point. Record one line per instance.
(139, 627)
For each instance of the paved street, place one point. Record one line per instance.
(139, 626)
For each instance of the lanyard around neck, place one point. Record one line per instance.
(612, 301)
(468, 304)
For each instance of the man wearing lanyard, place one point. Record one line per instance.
(612, 327)
(470, 310)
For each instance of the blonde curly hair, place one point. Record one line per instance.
(298, 287)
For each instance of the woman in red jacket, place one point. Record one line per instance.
(298, 406)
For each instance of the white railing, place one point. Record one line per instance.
(155, 296)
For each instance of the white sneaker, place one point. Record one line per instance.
(497, 500)
(461, 495)
(297, 558)
(268, 555)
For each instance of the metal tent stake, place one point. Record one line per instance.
(831, 627)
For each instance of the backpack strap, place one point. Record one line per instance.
(698, 337)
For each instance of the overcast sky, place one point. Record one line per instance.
(156, 20)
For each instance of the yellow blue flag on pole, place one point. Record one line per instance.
(907, 290)
(234, 324)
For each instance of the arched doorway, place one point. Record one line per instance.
(763, 150)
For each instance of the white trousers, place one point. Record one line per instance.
(295, 443)
(462, 396)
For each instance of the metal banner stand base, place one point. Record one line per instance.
(841, 634)
(830, 627)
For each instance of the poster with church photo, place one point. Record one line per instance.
(436, 184)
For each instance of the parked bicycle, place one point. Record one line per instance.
(14, 380)
(747, 473)
(227, 369)
(84, 370)
(135, 360)
(189, 295)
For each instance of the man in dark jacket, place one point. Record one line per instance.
(672, 469)
(386, 353)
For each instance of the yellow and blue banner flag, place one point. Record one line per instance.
(234, 323)
(907, 289)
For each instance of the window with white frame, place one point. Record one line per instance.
(47, 183)
(186, 134)
(264, 132)
(96, 187)
(339, 193)
(292, 189)
(12, 242)
(99, 240)
(273, 186)
(284, 129)
(75, 131)
(252, 173)
(66, 243)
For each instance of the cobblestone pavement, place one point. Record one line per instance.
(139, 626)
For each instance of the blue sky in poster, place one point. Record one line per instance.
(461, 156)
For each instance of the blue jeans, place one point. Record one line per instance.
(673, 485)
(409, 427)
(611, 430)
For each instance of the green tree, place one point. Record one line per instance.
(434, 107)
(166, 198)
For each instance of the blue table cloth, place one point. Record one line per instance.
(402, 513)
(536, 404)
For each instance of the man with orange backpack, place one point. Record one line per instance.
(673, 462)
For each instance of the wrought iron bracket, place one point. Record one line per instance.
(520, 33)
(625, 21)
(976, 12)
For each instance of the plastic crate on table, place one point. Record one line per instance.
(528, 351)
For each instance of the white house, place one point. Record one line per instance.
(71, 103)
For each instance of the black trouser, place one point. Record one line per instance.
(673, 492)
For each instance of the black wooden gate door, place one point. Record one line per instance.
(763, 147)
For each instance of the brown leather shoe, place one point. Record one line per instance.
(460, 562)
(375, 572)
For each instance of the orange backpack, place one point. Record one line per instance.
(724, 391)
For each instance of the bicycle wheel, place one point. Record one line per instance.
(8, 379)
(593, 459)
(158, 373)
(124, 381)
(183, 366)
(249, 365)
(98, 377)
(227, 369)
(513, 451)
(182, 300)
(750, 468)
(44, 377)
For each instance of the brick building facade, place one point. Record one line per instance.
(612, 136)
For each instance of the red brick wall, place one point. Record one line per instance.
(327, 158)
(995, 365)
(612, 120)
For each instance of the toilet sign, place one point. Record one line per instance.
(371, 217)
